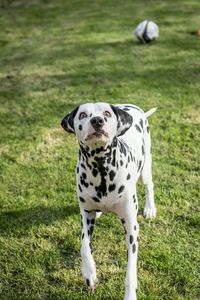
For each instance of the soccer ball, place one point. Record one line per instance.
(146, 32)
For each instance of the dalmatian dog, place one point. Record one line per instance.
(115, 151)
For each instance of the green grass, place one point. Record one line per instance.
(53, 56)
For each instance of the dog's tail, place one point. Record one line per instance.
(150, 112)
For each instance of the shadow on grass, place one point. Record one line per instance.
(19, 221)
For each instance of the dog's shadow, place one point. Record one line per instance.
(20, 221)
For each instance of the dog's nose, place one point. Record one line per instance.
(97, 122)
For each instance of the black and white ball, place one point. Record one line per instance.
(146, 31)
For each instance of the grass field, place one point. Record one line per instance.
(53, 56)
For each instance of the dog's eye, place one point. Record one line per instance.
(107, 114)
(82, 115)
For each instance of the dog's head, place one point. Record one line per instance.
(96, 124)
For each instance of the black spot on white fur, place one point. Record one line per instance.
(142, 149)
(138, 128)
(139, 165)
(111, 187)
(112, 174)
(88, 282)
(96, 199)
(121, 189)
(81, 199)
(131, 239)
(128, 176)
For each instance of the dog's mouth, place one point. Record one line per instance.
(97, 134)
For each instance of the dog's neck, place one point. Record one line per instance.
(99, 156)
(100, 164)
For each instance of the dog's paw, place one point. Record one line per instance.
(130, 294)
(149, 212)
(89, 272)
(91, 283)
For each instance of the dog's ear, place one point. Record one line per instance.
(68, 121)
(124, 120)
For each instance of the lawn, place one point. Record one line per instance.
(55, 55)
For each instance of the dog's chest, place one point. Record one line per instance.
(103, 180)
(102, 187)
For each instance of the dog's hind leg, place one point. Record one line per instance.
(146, 176)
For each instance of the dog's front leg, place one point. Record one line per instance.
(88, 264)
(128, 216)
(132, 231)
